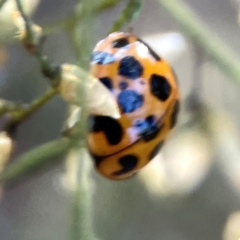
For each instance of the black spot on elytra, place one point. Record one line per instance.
(175, 113)
(102, 58)
(119, 43)
(123, 85)
(156, 150)
(151, 119)
(128, 162)
(154, 55)
(151, 133)
(130, 68)
(129, 101)
(109, 126)
(160, 87)
(148, 128)
(107, 82)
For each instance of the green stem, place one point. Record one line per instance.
(34, 43)
(2, 3)
(8, 106)
(216, 50)
(81, 37)
(35, 159)
(81, 201)
(69, 22)
(20, 116)
(129, 14)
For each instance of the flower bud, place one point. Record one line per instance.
(29, 44)
(99, 100)
(6, 22)
(5, 149)
(6, 146)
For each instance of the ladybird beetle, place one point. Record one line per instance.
(147, 93)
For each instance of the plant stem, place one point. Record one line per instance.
(81, 37)
(19, 116)
(194, 100)
(129, 14)
(70, 21)
(35, 159)
(82, 192)
(216, 50)
(105, 4)
(37, 103)
(8, 106)
(2, 3)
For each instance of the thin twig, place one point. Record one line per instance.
(81, 225)
(81, 37)
(19, 116)
(216, 50)
(105, 4)
(2, 3)
(194, 100)
(33, 42)
(34, 160)
(129, 14)
(69, 22)
(9, 106)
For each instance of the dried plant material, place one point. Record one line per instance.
(6, 22)
(6, 146)
(99, 99)
(182, 167)
(232, 227)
